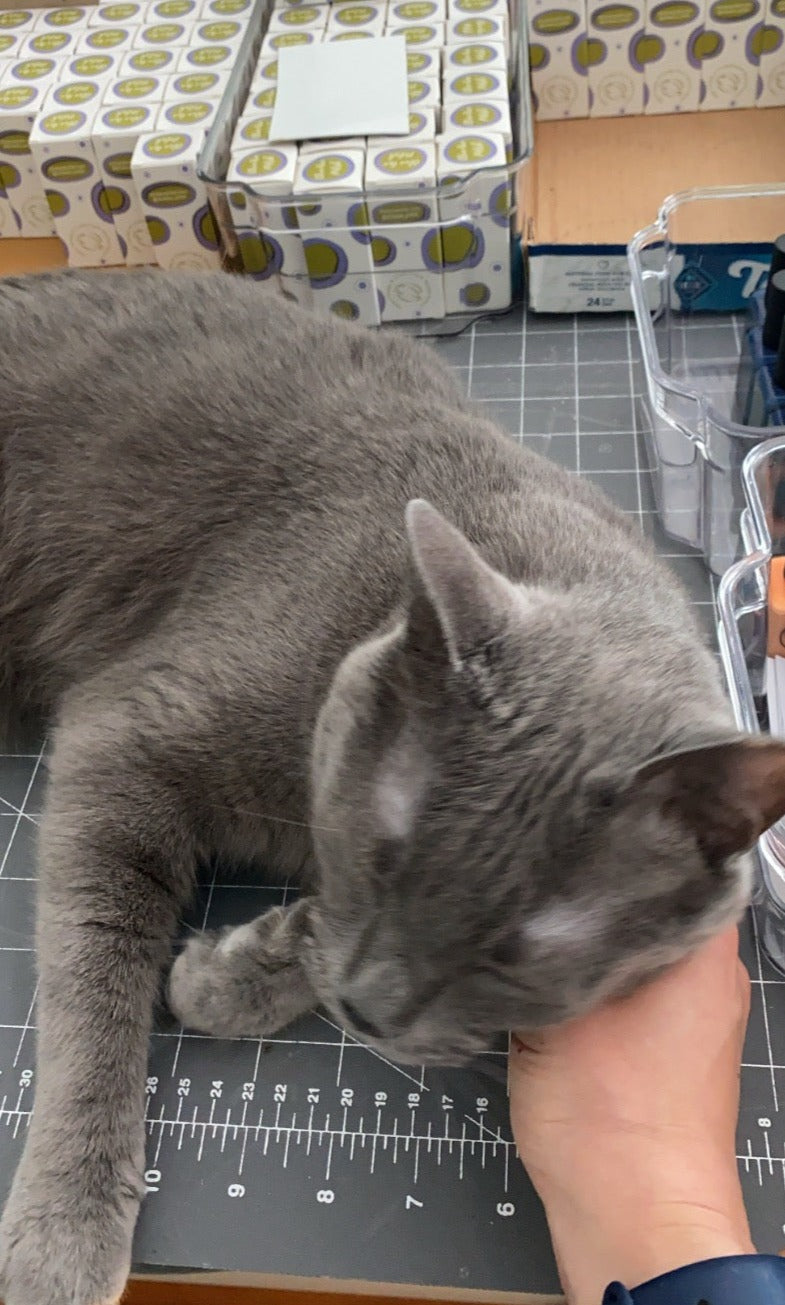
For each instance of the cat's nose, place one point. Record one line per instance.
(365, 1027)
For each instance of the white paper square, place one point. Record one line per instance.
(342, 88)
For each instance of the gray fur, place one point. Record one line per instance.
(249, 647)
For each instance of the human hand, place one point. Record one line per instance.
(626, 1119)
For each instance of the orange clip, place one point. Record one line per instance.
(775, 642)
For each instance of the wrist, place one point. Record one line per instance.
(632, 1231)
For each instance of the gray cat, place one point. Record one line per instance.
(285, 596)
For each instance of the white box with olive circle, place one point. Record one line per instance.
(106, 40)
(405, 230)
(423, 92)
(480, 115)
(419, 36)
(139, 88)
(616, 38)
(174, 199)
(475, 213)
(334, 231)
(416, 11)
(467, 8)
(51, 43)
(209, 84)
(302, 18)
(70, 16)
(90, 66)
(424, 62)
(266, 225)
(275, 41)
(356, 16)
(62, 146)
(117, 12)
(199, 57)
(413, 295)
(557, 58)
(670, 54)
(465, 29)
(18, 20)
(422, 126)
(772, 56)
(729, 53)
(228, 8)
(115, 133)
(488, 83)
(221, 31)
(20, 102)
(164, 10)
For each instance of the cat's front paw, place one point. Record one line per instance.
(54, 1252)
(244, 982)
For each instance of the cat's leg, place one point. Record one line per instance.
(248, 981)
(116, 867)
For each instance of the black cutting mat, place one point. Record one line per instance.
(310, 1155)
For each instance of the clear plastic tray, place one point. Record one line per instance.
(695, 448)
(472, 188)
(742, 601)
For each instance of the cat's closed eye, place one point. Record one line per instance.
(507, 951)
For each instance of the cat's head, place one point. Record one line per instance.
(501, 840)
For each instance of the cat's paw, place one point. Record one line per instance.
(51, 1254)
(243, 982)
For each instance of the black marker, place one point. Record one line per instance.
(777, 263)
(775, 310)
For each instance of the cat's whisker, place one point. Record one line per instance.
(277, 820)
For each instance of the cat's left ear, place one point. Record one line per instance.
(727, 793)
(459, 603)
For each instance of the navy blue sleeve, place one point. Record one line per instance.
(732, 1280)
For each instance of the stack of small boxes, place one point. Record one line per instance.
(103, 112)
(590, 58)
(380, 229)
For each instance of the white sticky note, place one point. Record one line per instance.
(342, 88)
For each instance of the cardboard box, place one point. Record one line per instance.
(729, 66)
(672, 71)
(616, 74)
(359, 16)
(115, 134)
(179, 219)
(20, 102)
(576, 253)
(771, 91)
(557, 58)
(62, 147)
(476, 240)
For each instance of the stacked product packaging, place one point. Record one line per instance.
(384, 229)
(591, 58)
(103, 112)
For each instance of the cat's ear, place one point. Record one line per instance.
(458, 602)
(727, 793)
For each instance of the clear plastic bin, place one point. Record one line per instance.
(485, 195)
(742, 602)
(695, 448)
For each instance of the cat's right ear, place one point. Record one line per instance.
(458, 603)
